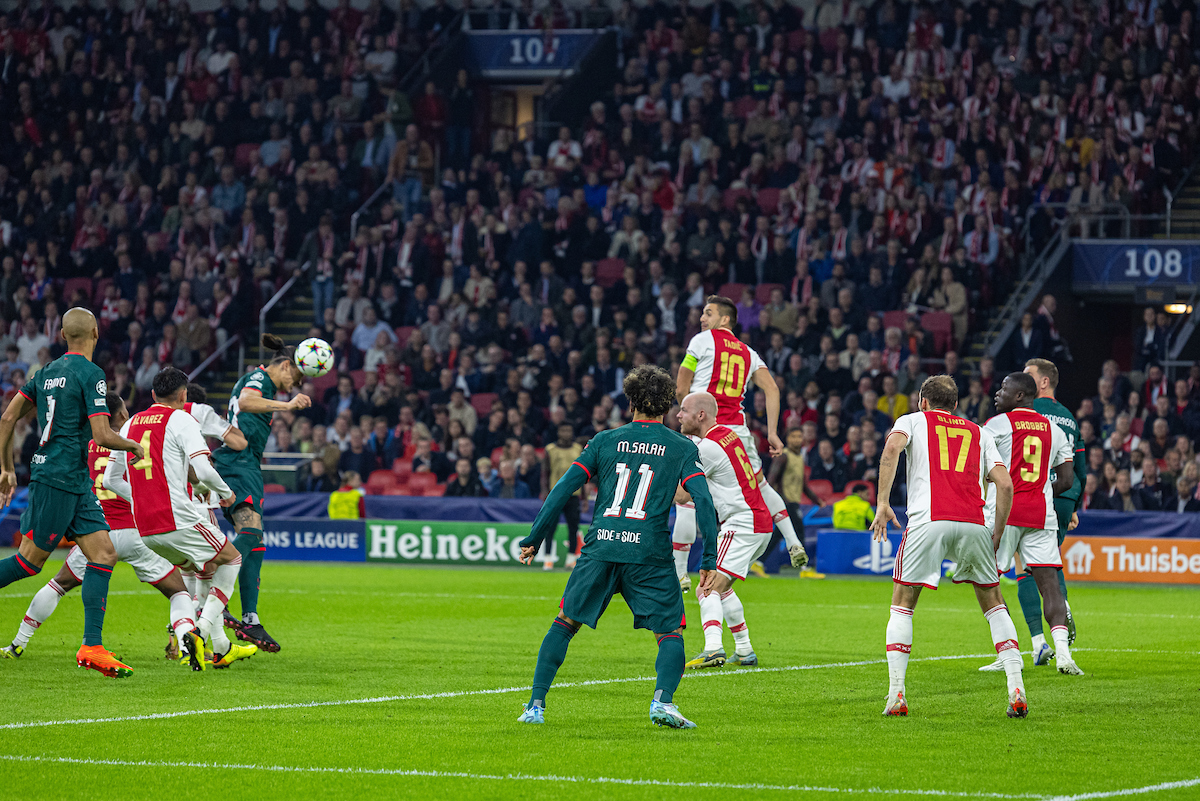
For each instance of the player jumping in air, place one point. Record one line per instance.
(745, 526)
(167, 517)
(71, 398)
(949, 462)
(627, 549)
(719, 363)
(147, 565)
(251, 407)
(1032, 446)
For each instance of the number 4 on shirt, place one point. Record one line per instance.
(637, 511)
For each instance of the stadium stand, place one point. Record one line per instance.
(872, 184)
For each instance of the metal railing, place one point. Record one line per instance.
(1175, 193)
(270, 304)
(1021, 297)
(385, 184)
(421, 68)
(236, 339)
(1077, 214)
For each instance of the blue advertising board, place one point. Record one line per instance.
(532, 55)
(312, 539)
(1106, 266)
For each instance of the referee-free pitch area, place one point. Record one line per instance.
(401, 682)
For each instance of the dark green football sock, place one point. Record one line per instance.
(249, 542)
(95, 601)
(14, 568)
(1031, 603)
(668, 666)
(550, 659)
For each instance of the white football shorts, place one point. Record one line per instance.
(1038, 548)
(739, 545)
(149, 566)
(924, 547)
(190, 548)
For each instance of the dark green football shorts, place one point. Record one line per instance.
(651, 591)
(1064, 508)
(247, 486)
(53, 514)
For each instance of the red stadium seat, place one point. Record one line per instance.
(359, 377)
(941, 326)
(609, 271)
(324, 382)
(732, 291)
(762, 293)
(397, 490)
(402, 468)
(402, 335)
(482, 403)
(823, 489)
(72, 285)
(894, 319)
(730, 198)
(274, 489)
(436, 491)
(419, 482)
(768, 200)
(380, 480)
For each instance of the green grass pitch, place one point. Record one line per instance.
(805, 725)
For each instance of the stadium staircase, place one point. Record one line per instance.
(1185, 210)
(290, 320)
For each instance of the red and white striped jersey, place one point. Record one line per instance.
(162, 497)
(732, 483)
(1030, 446)
(117, 512)
(948, 462)
(723, 366)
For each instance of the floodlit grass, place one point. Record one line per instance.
(372, 632)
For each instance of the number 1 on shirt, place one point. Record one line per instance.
(637, 511)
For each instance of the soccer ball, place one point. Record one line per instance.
(314, 357)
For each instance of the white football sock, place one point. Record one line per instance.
(682, 552)
(1062, 648)
(204, 581)
(190, 583)
(899, 646)
(1038, 641)
(224, 579)
(182, 614)
(778, 509)
(735, 618)
(44, 602)
(1004, 635)
(710, 614)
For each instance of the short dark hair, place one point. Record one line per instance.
(115, 403)
(941, 392)
(1046, 368)
(197, 393)
(650, 390)
(1025, 383)
(726, 307)
(169, 381)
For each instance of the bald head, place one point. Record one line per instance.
(697, 414)
(78, 326)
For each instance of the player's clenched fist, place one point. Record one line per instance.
(301, 401)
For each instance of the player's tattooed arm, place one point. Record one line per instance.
(18, 407)
(887, 476)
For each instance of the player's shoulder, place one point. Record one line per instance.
(255, 379)
(701, 340)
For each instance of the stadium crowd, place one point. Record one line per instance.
(861, 178)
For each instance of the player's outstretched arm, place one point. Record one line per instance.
(114, 479)
(887, 476)
(18, 407)
(683, 380)
(766, 382)
(107, 438)
(547, 516)
(999, 476)
(706, 526)
(252, 402)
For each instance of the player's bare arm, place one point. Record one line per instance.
(682, 495)
(999, 476)
(251, 401)
(234, 439)
(683, 382)
(1064, 478)
(766, 382)
(706, 529)
(18, 407)
(887, 476)
(105, 437)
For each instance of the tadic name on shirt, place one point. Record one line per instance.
(619, 536)
(647, 448)
(1030, 425)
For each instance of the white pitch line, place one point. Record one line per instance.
(1150, 788)
(457, 693)
(438, 774)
